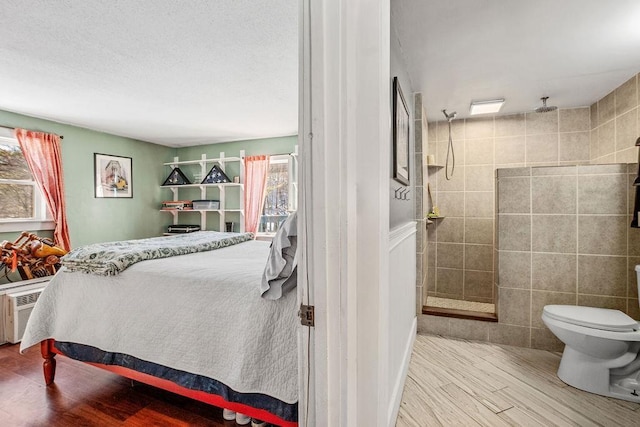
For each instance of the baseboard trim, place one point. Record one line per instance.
(398, 387)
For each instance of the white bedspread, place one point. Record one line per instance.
(201, 313)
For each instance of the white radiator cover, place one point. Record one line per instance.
(16, 302)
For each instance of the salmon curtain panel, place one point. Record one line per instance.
(256, 168)
(43, 155)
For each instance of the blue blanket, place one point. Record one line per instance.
(111, 258)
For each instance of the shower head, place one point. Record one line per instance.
(545, 108)
(449, 116)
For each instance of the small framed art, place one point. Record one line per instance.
(400, 135)
(113, 176)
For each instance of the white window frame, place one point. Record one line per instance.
(42, 218)
(292, 189)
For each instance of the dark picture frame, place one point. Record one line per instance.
(113, 176)
(400, 135)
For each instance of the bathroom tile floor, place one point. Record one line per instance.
(453, 382)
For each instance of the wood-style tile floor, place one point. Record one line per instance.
(83, 395)
(454, 382)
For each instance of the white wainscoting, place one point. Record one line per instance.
(402, 310)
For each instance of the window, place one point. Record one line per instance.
(281, 193)
(22, 206)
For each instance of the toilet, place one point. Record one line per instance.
(602, 348)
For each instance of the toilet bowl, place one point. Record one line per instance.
(602, 349)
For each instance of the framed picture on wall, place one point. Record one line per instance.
(400, 135)
(112, 176)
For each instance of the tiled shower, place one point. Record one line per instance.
(465, 256)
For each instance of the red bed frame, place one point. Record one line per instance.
(49, 352)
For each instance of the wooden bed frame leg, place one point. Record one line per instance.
(49, 364)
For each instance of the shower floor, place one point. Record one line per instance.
(454, 304)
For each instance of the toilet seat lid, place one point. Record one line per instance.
(592, 317)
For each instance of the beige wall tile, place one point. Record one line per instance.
(553, 233)
(574, 146)
(593, 144)
(627, 130)
(627, 96)
(634, 239)
(456, 151)
(518, 336)
(510, 150)
(632, 289)
(541, 298)
(479, 204)
(606, 138)
(510, 125)
(469, 329)
(606, 108)
(514, 232)
(593, 110)
(574, 119)
(602, 235)
(455, 181)
(481, 127)
(449, 281)
(613, 303)
(602, 275)
(450, 255)
(538, 123)
(513, 172)
(554, 272)
(436, 325)
(478, 285)
(553, 194)
(630, 155)
(457, 130)
(451, 203)
(479, 178)
(478, 230)
(478, 257)
(542, 148)
(554, 170)
(512, 302)
(479, 151)
(602, 194)
(450, 230)
(514, 195)
(514, 269)
(601, 169)
(544, 339)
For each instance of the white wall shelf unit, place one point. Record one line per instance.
(221, 188)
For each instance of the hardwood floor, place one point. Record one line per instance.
(86, 396)
(455, 382)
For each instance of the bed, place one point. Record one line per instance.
(194, 324)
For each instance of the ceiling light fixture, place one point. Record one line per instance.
(485, 107)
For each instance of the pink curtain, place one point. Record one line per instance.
(42, 153)
(256, 168)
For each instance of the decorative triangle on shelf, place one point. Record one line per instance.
(176, 177)
(215, 176)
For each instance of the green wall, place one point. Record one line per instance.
(94, 220)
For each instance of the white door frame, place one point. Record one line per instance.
(344, 210)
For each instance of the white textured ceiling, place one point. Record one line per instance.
(172, 72)
(574, 51)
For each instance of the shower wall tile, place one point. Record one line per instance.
(514, 232)
(514, 195)
(553, 233)
(602, 169)
(606, 108)
(449, 281)
(478, 257)
(541, 298)
(593, 145)
(455, 181)
(602, 194)
(457, 130)
(553, 194)
(542, 148)
(479, 178)
(602, 235)
(479, 128)
(630, 155)
(479, 151)
(613, 303)
(626, 96)
(554, 272)
(541, 123)
(478, 286)
(451, 203)
(602, 275)
(478, 230)
(553, 170)
(511, 303)
(457, 153)
(450, 230)
(593, 110)
(479, 204)
(514, 269)
(450, 255)
(513, 172)
(510, 149)
(574, 147)
(607, 138)
(626, 130)
(574, 119)
(510, 125)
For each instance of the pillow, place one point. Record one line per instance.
(280, 274)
